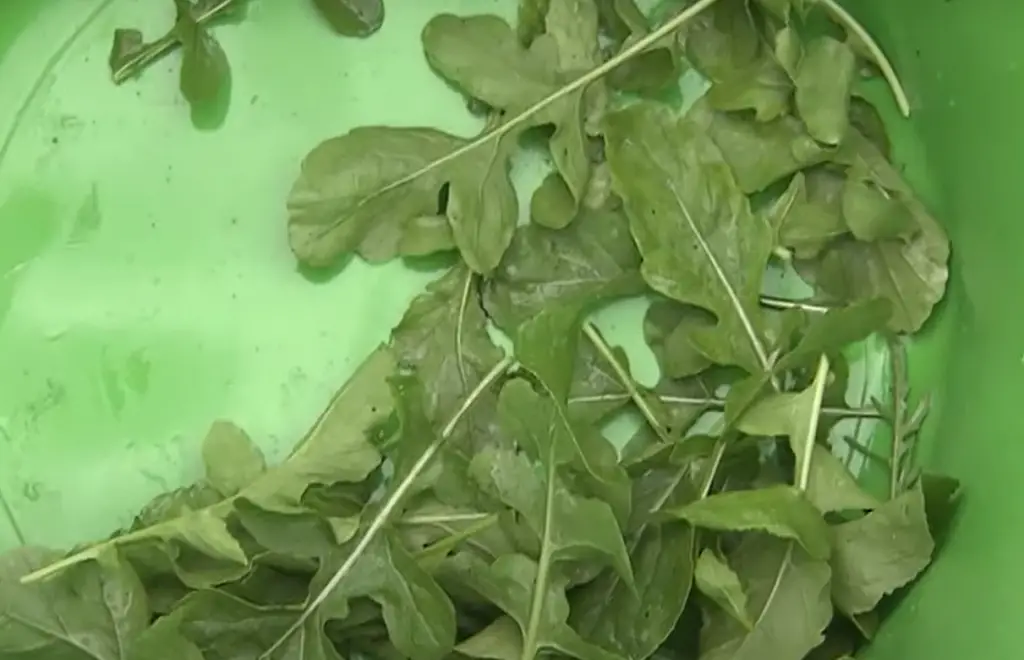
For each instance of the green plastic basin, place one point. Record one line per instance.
(147, 289)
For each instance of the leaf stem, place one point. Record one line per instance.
(164, 45)
(389, 507)
(626, 379)
(820, 380)
(717, 404)
(774, 302)
(877, 54)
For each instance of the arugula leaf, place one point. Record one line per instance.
(781, 511)
(569, 527)
(443, 336)
(128, 43)
(824, 82)
(530, 20)
(163, 641)
(353, 18)
(419, 615)
(596, 393)
(205, 71)
(537, 421)
(808, 215)
(881, 552)
(725, 45)
(231, 459)
(95, 611)
(788, 601)
(699, 241)
(667, 327)
(832, 487)
(759, 153)
(719, 582)
(536, 602)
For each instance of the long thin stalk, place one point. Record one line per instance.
(718, 404)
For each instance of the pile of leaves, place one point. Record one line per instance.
(457, 502)
(205, 71)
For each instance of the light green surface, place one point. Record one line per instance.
(146, 287)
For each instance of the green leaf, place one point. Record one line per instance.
(635, 621)
(831, 332)
(911, 272)
(550, 279)
(419, 616)
(879, 553)
(760, 153)
(719, 582)
(794, 415)
(873, 213)
(781, 511)
(782, 8)
(667, 328)
(128, 44)
(699, 241)
(163, 641)
(824, 83)
(289, 529)
(501, 640)
(788, 600)
(231, 459)
(349, 183)
(725, 45)
(596, 393)
(224, 627)
(832, 487)
(205, 72)
(809, 215)
(94, 611)
(527, 593)
(353, 18)
(530, 23)
(443, 336)
(568, 527)
(541, 425)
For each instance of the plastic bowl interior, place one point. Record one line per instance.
(146, 287)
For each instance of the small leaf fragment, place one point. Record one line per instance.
(353, 18)
(719, 582)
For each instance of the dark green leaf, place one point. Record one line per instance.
(725, 45)
(502, 640)
(569, 527)
(942, 497)
(836, 329)
(163, 641)
(719, 582)
(287, 528)
(824, 83)
(760, 153)
(634, 622)
(781, 511)
(419, 616)
(231, 459)
(530, 23)
(667, 328)
(809, 215)
(227, 628)
(353, 18)
(127, 45)
(788, 600)
(875, 555)
(699, 240)
(512, 583)
(782, 8)
(94, 611)
(596, 392)
(832, 487)
(550, 279)
(540, 425)
(873, 213)
(553, 205)
(443, 336)
(910, 272)
(205, 71)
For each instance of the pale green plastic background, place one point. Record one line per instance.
(146, 287)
